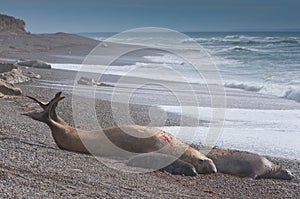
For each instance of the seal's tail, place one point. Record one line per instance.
(48, 112)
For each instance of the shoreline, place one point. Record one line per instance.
(237, 97)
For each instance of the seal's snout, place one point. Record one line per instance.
(286, 174)
(206, 166)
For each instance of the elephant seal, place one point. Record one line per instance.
(159, 161)
(246, 164)
(34, 64)
(140, 140)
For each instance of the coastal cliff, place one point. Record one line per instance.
(11, 25)
(18, 44)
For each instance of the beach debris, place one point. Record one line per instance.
(34, 64)
(11, 73)
(33, 75)
(210, 192)
(91, 82)
(103, 44)
(77, 170)
(9, 89)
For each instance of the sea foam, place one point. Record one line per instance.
(268, 132)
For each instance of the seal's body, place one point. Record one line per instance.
(162, 162)
(119, 141)
(245, 164)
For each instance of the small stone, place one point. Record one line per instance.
(78, 170)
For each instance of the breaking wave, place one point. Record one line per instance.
(244, 86)
(293, 94)
(286, 92)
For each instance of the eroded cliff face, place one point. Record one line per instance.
(11, 25)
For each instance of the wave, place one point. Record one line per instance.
(240, 49)
(193, 40)
(226, 39)
(281, 91)
(244, 86)
(241, 39)
(293, 94)
(165, 58)
(100, 38)
(223, 39)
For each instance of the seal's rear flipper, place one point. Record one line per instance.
(43, 105)
(48, 112)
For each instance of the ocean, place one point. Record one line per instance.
(264, 62)
(260, 72)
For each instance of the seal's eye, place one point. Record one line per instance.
(201, 161)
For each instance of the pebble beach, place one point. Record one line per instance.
(32, 166)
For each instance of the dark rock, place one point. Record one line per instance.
(34, 64)
(7, 67)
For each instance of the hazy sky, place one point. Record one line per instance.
(182, 15)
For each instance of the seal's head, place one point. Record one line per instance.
(284, 174)
(205, 166)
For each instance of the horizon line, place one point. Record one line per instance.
(205, 31)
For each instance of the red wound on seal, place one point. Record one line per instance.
(166, 138)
